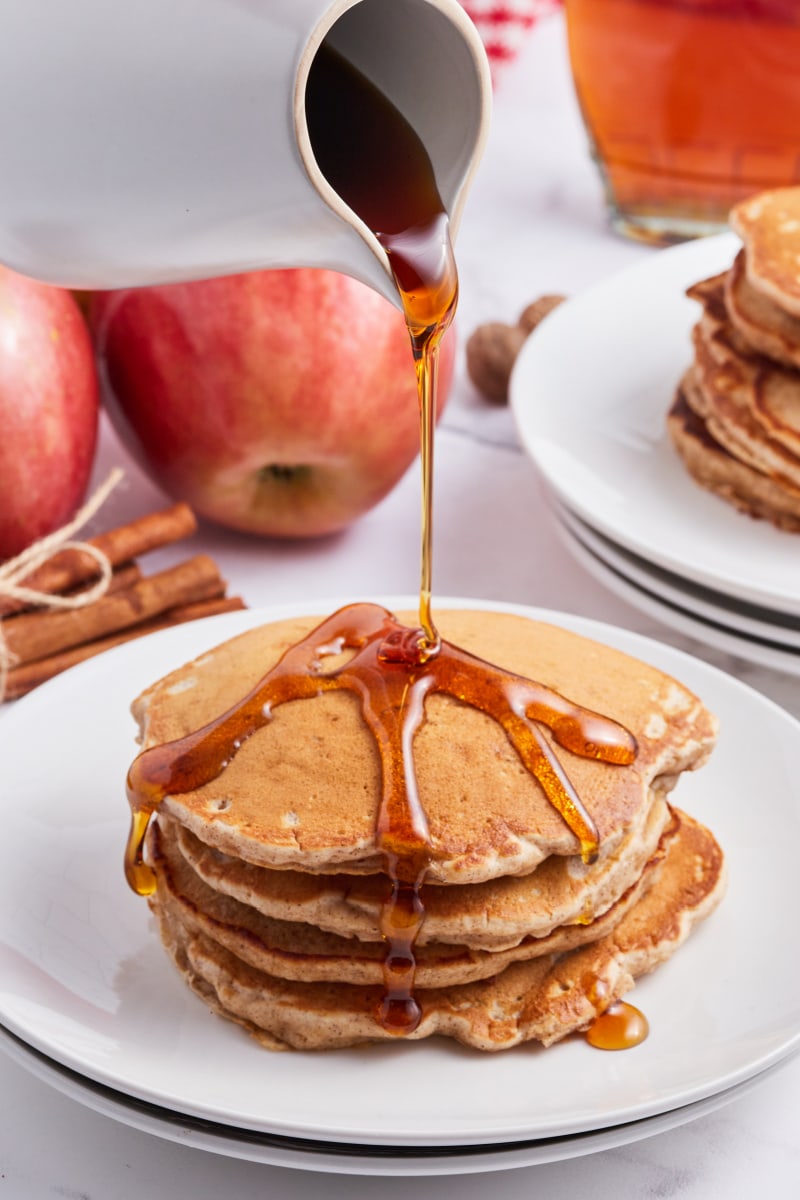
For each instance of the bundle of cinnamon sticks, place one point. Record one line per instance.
(44, 642)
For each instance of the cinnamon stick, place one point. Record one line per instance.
(121, 578)
(35, 635)
(69, 568)
(24, 679)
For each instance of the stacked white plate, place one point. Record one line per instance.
(590, 393)
(90, 1003)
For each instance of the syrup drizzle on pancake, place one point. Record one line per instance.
(392, 676)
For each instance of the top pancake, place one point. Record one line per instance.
(769, 226)
(303, 792)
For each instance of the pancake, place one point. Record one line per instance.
(298, 951)
(763, 325)
(302, 953)
(769, 226)
(493, 915)
(769, 389)
(272, 886)
(719, 472)
(711, 294)
(735, 419)
(544, 999)
(303, 792)
(749, 405)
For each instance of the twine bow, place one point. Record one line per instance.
(15, 570)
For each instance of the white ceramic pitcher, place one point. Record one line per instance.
(151, 141)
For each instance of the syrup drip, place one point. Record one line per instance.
(620, 1026)
(392, 676)
(352, 124)
(426, 253)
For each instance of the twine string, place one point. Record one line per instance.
(15, 570)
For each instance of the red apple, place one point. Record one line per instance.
(48, 410)
(277, 402)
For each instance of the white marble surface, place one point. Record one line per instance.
(534, 224)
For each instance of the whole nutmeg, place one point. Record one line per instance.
(492, 348)
(530, 317)
(491, 352)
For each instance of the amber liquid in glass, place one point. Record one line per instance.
(690, 105)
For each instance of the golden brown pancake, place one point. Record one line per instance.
(762, 324)
(735, 420)
(718, 471)
(769, 389)
(750, 406)
(299, 951)
(543, 999)
(271, 886)
(769, 226)
(303, 792)
(493, 915)
(711, 294)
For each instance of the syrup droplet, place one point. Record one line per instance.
(620, 1027)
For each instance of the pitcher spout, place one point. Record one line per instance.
(140, 148)
(427, 60)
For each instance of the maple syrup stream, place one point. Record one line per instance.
(392, 668)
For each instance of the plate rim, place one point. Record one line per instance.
(359, 1160)
(329, 1158)
(725, 639)
(758, 632)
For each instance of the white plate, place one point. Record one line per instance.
(353, 1160)
(686, 621)
(83, 977)
(591, 390)
(779, 630)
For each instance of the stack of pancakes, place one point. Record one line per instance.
(270, 885)
(736, 416)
